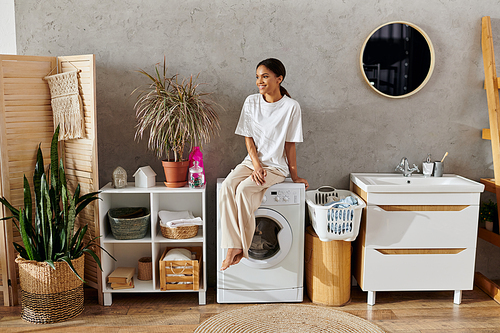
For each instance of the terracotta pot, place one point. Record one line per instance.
(175, 173)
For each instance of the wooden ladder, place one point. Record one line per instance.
(491, 84)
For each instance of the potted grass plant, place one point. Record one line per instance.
(177, 117)
(51, 257)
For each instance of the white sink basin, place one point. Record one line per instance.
(396, 182)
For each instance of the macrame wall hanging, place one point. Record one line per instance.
(67, 106)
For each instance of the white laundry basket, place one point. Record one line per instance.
(334, 223)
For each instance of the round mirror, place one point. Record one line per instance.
(397, 59)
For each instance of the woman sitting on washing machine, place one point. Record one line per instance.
(271, 124)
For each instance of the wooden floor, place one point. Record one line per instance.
(426, 312)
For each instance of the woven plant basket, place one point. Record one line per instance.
(47, 295)
(179, 232)
(145, 271)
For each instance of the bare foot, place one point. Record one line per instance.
(233, 257)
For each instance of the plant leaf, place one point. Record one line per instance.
(27, 199)
(46, 218)
(96, 258)
(54, 171)
(24, 235)
(14, 211)
(21, 250)
(83, 204)
(79, 244)
(51, 264)
(67, 260)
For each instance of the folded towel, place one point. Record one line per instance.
(182, 222)
(166, 215)
(343, 203)
(177, 254)
(178, 219)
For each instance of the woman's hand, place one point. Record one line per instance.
(259, 175)
(292, 163)
(301, 180)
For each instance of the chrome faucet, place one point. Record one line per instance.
(404, 167)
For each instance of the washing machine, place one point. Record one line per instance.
(274, 270)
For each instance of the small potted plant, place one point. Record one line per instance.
(488, 213)
(51, 259)
(177, 116)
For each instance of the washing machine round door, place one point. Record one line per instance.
(272, 239)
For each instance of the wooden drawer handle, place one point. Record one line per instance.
(423, 208)
(419, 251)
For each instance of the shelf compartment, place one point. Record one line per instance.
(126, 256)
(140, 286)
(169, 274)
(118, 200)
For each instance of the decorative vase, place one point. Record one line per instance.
(489, 225)
(50, 295)
(175, 173)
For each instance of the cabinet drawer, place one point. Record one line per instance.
(389, 228)
(384, 272)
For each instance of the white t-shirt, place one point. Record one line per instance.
(271, 125)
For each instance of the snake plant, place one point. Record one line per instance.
(48, 233)
(176, 114)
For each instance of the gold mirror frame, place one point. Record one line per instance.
(431, 66)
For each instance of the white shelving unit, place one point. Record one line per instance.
(128, 252)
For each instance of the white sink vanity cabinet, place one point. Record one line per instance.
(128, 252)
(416, 233)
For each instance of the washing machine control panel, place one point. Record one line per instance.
(281, 197)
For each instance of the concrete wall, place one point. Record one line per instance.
(347, 127)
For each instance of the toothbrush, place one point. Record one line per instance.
(446, 154)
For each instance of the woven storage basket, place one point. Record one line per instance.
(48, 295)
(129, 222)
(145, 271)
(179, 232)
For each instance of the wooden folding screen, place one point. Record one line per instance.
(81, 154)
(26, 121)
(491, 84)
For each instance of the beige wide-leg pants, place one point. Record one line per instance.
(240, 197)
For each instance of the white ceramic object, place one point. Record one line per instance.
(397, 183)
(145, 177)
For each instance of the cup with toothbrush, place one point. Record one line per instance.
(439, 167)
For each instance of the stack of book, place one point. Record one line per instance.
(122, 278)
